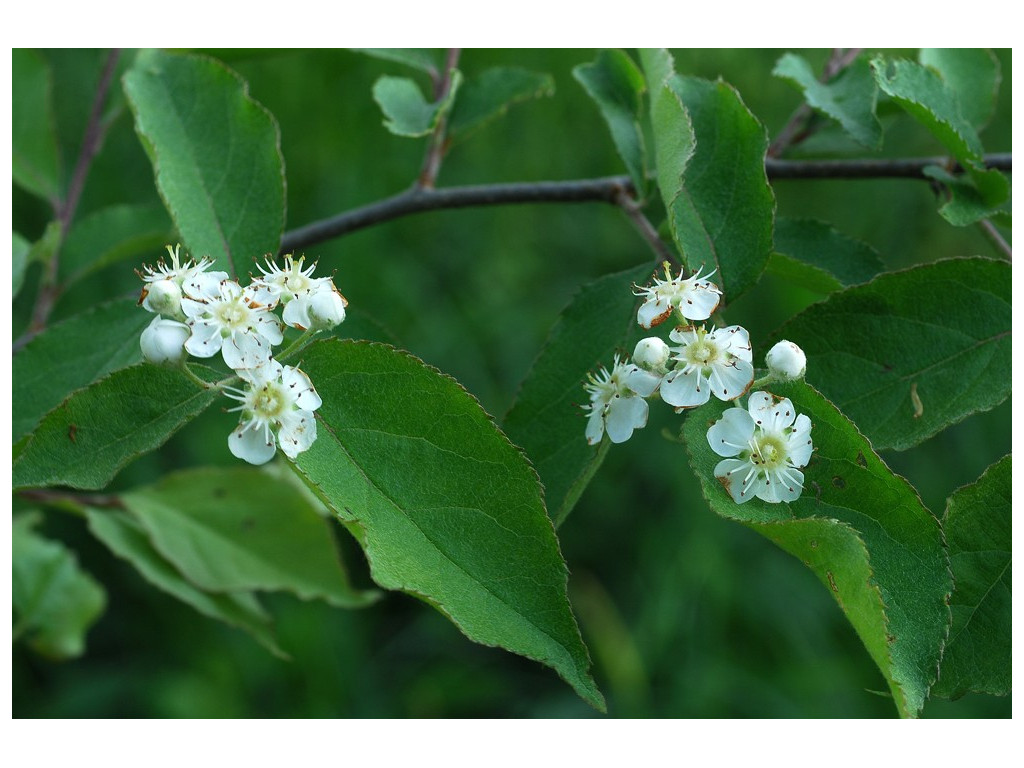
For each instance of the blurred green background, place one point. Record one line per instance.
(685, 614)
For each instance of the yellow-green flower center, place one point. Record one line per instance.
(769, 452)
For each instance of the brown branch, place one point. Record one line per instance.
(647, 230)
(95, 129)
(604, 190)
(439, 138)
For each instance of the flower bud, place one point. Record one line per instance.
(162, 297)
(651, 354)
(163, 341)
(786, 361)
(326, 309)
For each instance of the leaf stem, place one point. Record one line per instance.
(994, 237)
(298, 345)
(635, 212)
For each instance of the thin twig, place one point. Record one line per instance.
(647, 231)
(798, 128)
(993, 235)
(604, 190)
(62, 498)
(49, 288)
(439, 138)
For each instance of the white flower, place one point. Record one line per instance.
(765, 445)
(277, 409)
(651, 354)
(234, 321)
(614, 406)
(694, 297)
(786, 361)
(310, 303)
(162, 292)
(716, 362)
(163, 341)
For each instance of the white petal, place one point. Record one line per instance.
(301, 387)
(685, 388)
(251, 445)
(653, 311)
(740, 478)
(699, 302)
(779, 417)
(245, 350)
(783, 484)
(595, 426)
(760, 405)
(735, 340)
(260, 375)
(642, 382)
(193, 309)
(269, 327)
(731, 434)
(259, 294)
(683, 335)
(798, 442)
(298, 431)
(296, 314)
(730, 381)
(624, 415)
(205, 340)
(204, 286)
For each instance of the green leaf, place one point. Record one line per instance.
(546, 420)
(849, 99)
(54, 600)
(87, 439)
(126, 539)
(113, 234)
(938, 332)
(20, 248)
(821, 248)
(926, 98)
(964, 205)
(407, 113)
(710, 153)
(671, 131)
(977, 527)
(34, 159)
(725, 214)
(216, 154)
(863, 531)
(236, 529)
(444, 505)
(490, 94)
(616, 85)
(72, 354)
(972, 74)
(423, 59)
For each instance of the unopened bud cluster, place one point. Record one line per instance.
(204, 313)
(695, 364)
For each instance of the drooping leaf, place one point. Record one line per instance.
(972, 74)
(863, 531)
(926, 98)
(818, 248)
(54, 600)
(423, 59)
(546, 420)
(72, 354)
(126, 539)
(88, 438)
(444, 505)
(228, 530)
(19, 262)
(406, 111)
(849, 99)
(113, 234)
(937, 332)
(34, 159)
(616, 85)
(964, 205)
(489, 95)
(977, 527)
(216, 154)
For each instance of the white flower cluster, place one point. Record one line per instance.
(203, 313)
(763, 456)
